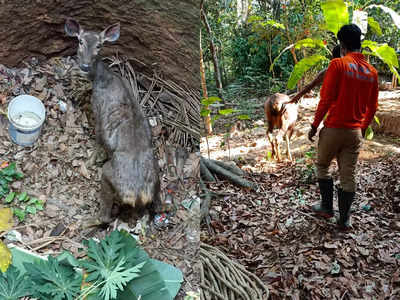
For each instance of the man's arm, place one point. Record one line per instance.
(317, 81)
(372, 106)
(328, 94)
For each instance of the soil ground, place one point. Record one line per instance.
(275, 235)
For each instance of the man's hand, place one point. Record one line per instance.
(312, 133)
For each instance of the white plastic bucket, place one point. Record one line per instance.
(26, 115)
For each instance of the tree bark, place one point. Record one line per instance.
(214, 54)
(207, 119)
(161, 36)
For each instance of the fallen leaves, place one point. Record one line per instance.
(275, 235)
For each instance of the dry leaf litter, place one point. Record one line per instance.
(274, 234)
(61, 170)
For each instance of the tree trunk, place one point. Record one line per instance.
(207, 119)
(161, 36)
(214, 54)
(242, 9)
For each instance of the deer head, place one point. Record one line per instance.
(90, 43)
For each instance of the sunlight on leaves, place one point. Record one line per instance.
(375, 27)
(335, 13)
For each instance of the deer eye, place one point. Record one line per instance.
(98, 46)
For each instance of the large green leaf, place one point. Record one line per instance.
(386, 53)
(374, 25)
(335, 13)
(301, 67)
(395, 16)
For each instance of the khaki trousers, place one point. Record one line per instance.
(345, 145)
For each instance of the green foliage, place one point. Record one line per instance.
(8, 175)
(395, 16)
(13, 285)
(374, 25)
(302, 66)
(335, 13)
(309, 43)
(369, 133)
(386, 53)
(53, 281)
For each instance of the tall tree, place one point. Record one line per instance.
(217, 72)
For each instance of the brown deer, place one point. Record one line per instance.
(280, 113)
(130, 175)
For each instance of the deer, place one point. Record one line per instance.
(130, 174)
(281, 113)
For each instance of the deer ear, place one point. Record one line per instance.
(111, 33)
(72, 27)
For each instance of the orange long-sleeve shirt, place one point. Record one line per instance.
(349, 93)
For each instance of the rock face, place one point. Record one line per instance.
(159, 35)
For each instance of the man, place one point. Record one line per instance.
(349, 95)
(317, 80)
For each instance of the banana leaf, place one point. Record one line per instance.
(335, 13)
(301, 67)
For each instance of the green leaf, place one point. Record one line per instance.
(244, 117)
(335, 268)
(369, 133)
(301, 67)
(19, 213)
(205, 112)
(309, 43)
(275, 24)
(30, 209)
(22, 196)
(225, 112)
(374, 25)
(335, 13)
(10, 197)
(377, 120)
(210, 100)
(10, 170)
(52, 280)
(13, 285)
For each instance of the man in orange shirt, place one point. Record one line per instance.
(349, 95)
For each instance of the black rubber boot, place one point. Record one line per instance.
(325, 208)
(345, 201)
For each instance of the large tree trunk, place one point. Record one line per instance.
(207, 119)
(160, 35)
(213, 51)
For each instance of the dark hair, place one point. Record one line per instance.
(336, 52)
(350, 36)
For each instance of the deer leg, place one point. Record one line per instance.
(106, 195)
(289, 134)
(287, 138)
(278, 140)
(271, 139)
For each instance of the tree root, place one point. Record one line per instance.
(225, 170)
(222, 278)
